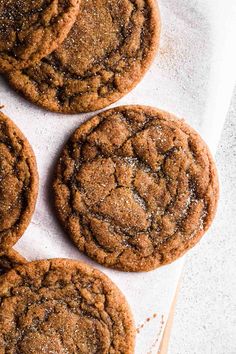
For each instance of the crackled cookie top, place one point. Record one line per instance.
(135, 188)
(106, 53)
(63, 306)
(10, 259)
(30, 30)
(18, 183)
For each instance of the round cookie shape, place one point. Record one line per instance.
(30, 30)
(19, 183)
(107, 52)
(63, 306)
(10, 259)
(135, 188)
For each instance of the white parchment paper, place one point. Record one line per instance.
(193, 76)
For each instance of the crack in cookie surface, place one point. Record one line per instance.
(10, 259)
(30, 30)
(19, 183)
(63, 306)
(135, 188)
(108, 50)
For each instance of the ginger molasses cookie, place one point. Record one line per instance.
(30, 30)
(135, 188)
(18, 183)
(10, 259)
(107, 52)
(63, 306)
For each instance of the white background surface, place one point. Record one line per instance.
(205, 320)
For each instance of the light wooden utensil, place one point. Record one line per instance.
(167, 332)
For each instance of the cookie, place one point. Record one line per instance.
(135, 188)
(63, 306)
(30, 30)
(19, 183)
(107, 52)
(10, 259)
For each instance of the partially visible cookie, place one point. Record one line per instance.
(9, 260)
(63, 306)
(135, 188)
(19, 183)
(30, 30)
(107, 52)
